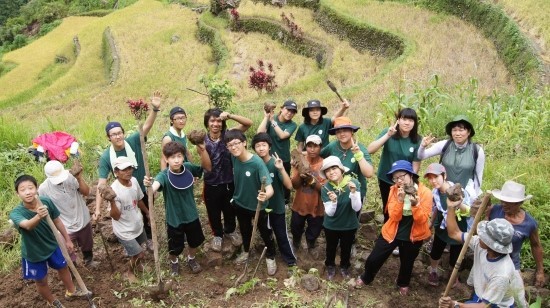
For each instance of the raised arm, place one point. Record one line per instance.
(155, 103)
(244, 123)
(341, 111)
(378, 143)
(83, 187)
(424, 152)
(262, 128)
(452, 226)
(206, 163)
(98, 199)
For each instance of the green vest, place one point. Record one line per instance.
(182, 140)
(459, 163)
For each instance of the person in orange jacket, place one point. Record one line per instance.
(409, 207)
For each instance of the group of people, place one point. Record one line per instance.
(329, 180)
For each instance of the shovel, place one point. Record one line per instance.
(154, 291)
(61, 243)
(254, 228)
(484, 202)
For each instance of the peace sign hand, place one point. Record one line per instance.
(278, 161)
(354, 146)
(393, 129)
(426, 141)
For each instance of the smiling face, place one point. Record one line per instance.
(116, 136)
(344, 135)
(262, 149)
(334, 174)
(124, 175)
(27, 191)
(510, 207)
(314, 113)
(286, 115)
(236, 147)
(215, 125)
(460, 134)
(405, 125)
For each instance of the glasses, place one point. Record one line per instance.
(180, 118)
(113, 135)
(398, 178)
(234, 144)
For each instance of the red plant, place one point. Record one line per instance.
(138, 108)
(293, 28)
(260, 79)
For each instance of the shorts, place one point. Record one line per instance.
(176, 236)
(133, 247)
(39, 270)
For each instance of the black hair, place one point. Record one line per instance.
(261, 137)
(234, 134)
(25, 178)
(214, 112)
(409, 113)
(172, 148)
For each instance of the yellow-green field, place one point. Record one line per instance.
(534, 14)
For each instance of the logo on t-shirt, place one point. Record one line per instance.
(352, 160)
(320, 132)
(272, 175)
(247, 173)
(411, 149)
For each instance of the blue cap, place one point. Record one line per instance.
(175, 110)
(111, 125)
(401, 165)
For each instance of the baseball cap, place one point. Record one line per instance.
(175, 110)
(111, 125)
(290, 105)
(123, 162)
(436, 169)
(314, 138)
(55, 172)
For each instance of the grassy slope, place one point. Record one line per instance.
(34, 58)
(535, 13)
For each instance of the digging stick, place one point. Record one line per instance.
(259, 261)
(106, 250)
(481, 211)
(61, 243)
(254, 228)
(333, 88)
(150, 199)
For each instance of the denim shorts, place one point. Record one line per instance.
(38, 270)
(133, 247)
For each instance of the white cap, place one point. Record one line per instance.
(55, 172)
(123, 162)
(314, 138)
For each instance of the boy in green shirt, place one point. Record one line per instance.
(182, 217)
(249, 171)
(39, 248)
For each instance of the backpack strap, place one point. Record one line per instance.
(444, 150)
(475, 154)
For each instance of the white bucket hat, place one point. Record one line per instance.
(497, 234)
(330, 162)
(511, 192)
(55, 172)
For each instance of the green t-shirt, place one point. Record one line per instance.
(345, 218)
(179, 203)
(248, 180)
(281, 146)
(442, 233)
(320, 129)
(404, 228)
(277, 201)
(38, 244)
(394, 150)
(182, 140)
(105, 166)
(347, 159)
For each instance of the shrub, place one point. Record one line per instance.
(220, 93)
(260, 79)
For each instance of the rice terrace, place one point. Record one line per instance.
(73, 66)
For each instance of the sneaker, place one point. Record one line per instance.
(345, 273)
(217, 243)
(404, 291)
(57, 304)
(433, 278)
(77, 294)
(174, 268)
(194, 265)
(242, 258)
(150, 245)
(91, 264)
(235, 238)
(271, 266)
(395, 252)
(331, 272)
